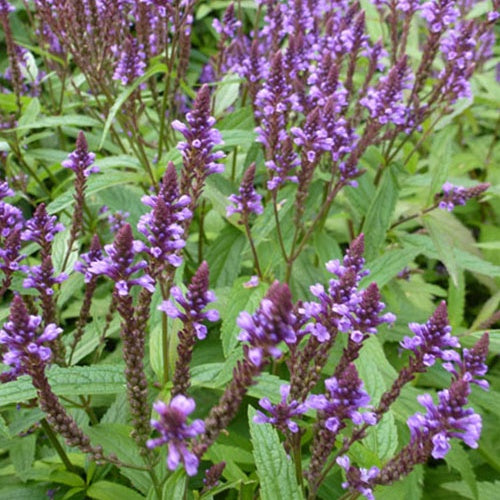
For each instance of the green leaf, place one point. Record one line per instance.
(408, 488)
(30, 114)
(175, 485)
(456, 300)
(241, 299)
(379, 214)
(274, 468)
(224, 257)
(60, 121)
(382, 439)
(95, 184)
(459, 460)
(157, 68)
(22, 454)
(388, 265)
(73, 381)
(67, 478)
(440, 158)
(226, 94)
(106, 490)
(444, 246)
(116, 438)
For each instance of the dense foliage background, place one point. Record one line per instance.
(416, 257)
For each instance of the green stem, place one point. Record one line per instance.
(57, 446)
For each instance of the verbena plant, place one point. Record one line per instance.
(189, 313)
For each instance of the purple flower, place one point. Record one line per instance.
(118, 265)
(272, 323)
(86, 259)
(162, 225)
(11, 218)
(282, 413)
(42, 277)
(227, 28)
(9, 253)
(385, 102)
(439, 14)
(197, 298)
(431, 339)
(132, 62)
(472, 364)
(200, 137)
(175, 431)
(273, 103)
(447, 419)
(117, 220)
(285, 159)
(358, 479)
(5, 8)
(81, 160)
(248, 201)
(5, 190)
(458, 195)
(42, 227)
(344, 399)
(20, 336)
(336, 304)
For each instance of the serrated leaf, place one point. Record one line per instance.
(106, 490)
(379, 214)
(388, 265)
(116, 438)
(274, 468)
(456, 300)
(382, 438)
(73, 381)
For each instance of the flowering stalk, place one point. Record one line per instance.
(197, 298)
(199, 161)
(246, 203)
(81, 161)
(118, 265)
(262, 332)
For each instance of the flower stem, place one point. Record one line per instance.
(57, 446)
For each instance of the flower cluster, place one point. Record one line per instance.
(248, 201)
(118, 264)
(197, 298)
(198, 156)
(344, 399)
(42, 227)
(175, 431)
(25, 345)
(272, 323)
(282, 413)
(162, 226)
(458, 195)
(81, 161)
(432, 339)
